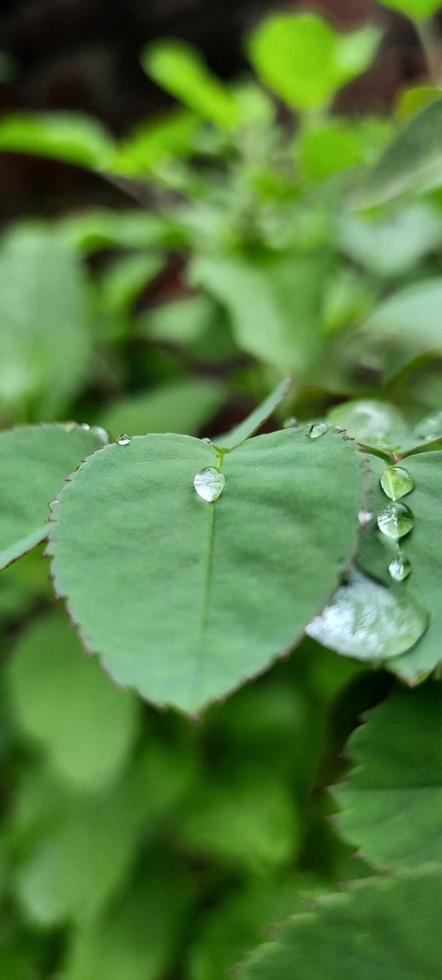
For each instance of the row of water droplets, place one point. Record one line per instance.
(396, 520)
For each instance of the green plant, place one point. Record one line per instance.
(191, 562)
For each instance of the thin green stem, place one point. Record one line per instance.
(429, 41)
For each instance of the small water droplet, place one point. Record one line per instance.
(124, 439)
(291, 422)
(207, 441)
(395, 521)
(100, 433)
(54, 502)
(365, 517)
(85, 426)
(399, 568)
(209, 484)
(396, 482)
(318, 429)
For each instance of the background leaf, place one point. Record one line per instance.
(74, 138)
(180, 70)
(183, 406)
(64, 702)
(392, 797)
(192, 621)
(34, 461)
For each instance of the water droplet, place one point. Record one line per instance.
(85, 426)
(124, 439)
(209, 484)
(399, 568)
(365, 517)
(395, 521)
(100, 433)
(54, 502)
(396, 482)
(291, 422)
(207, 441)
(318, 429)
(368, 621)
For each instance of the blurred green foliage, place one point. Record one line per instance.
(274, 236)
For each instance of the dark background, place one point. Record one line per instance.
(83, 55)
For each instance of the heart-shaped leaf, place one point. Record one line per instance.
(34, 461)
(392, 800)
(383, 928)
(185, 599)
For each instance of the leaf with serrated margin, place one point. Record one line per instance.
(182, 599)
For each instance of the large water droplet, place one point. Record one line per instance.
(367, 621)
(395, 521)
(399, 568)
(209, 484)
(291, 422)
(396, 482)
(318, 429)
(124, 439)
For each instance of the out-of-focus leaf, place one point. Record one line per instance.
(179, 69)
(92, 231)
(336, 144)
(415, 9)
(371, 422)
(392, 245)
(152, 143)
(24, 584)
(34, 462)
(412, 100)
(45, 343)
(392, 799)
(412, 162)
(256, 419)
(178, 614)
(274, 304)
(71, 137)
(408, 322)
(305, 61)
(241, 922)
(7, 67)
(250, 823)
(180, 321)
(139, 937)
(383, 927)
(75, 852)
(183, 406)
(65, 703)
(125, 279)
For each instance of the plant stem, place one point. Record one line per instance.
(430, 46)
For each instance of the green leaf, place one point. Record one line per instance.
(415, 9)
(413, 99)
(333, 145)
(71, 137)
(367, 621)
(64, 702)
(256, 419)
(45, 345)
(274, 304)
(184, 406)
(392, 245)
(370, 421)
(138, 939)
(386, 928)
(206, 594)
(305, 61)
(93, 230)
(392, 798)
(180, 321)
(240, 922)
(248, 823)
(76, 851)
(179, 69)
(153, 143)
(34, 461)
(412, 162)
(125, 279)
(408, 322)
